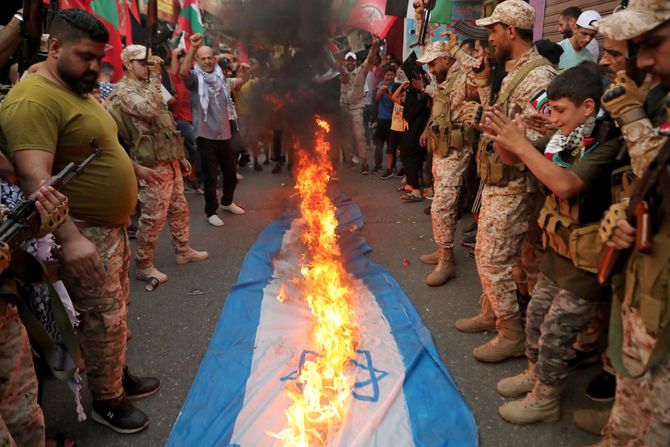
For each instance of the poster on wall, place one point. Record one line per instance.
(466, 10)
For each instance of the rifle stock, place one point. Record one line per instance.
(612, 260)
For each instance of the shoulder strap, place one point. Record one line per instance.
(127, 132)
(520, 76)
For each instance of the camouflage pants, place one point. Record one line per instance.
(641, 412)
(503, 222)
(555, 317)
(448, 178)
(357, 143)
(103, 312)
(21, 419)
(161, 202)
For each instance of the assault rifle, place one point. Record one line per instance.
(643, 212)
(23, 221)
(429, 6)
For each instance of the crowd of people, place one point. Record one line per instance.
(547, 144)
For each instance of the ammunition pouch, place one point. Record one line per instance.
(161, 143)
(493, 171)
(443, 137)
(562, 233)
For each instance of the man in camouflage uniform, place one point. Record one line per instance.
(639, 336)
(21, 419)
(507, 196)
(446, 139)
(144, 122)
(48, 121)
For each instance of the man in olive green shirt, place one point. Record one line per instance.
(48, 120)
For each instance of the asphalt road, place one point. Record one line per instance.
(172, 326)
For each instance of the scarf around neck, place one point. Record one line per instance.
(560, 142)
(207, 82)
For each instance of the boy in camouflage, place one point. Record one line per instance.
(575, 168)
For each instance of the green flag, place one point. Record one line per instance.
(442, 12)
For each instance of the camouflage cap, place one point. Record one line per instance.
(433, 51)
(133, 53)
(640, 16)
(516, 13)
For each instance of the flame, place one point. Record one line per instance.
(320, 395)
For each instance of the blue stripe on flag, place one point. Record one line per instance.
(216, 397)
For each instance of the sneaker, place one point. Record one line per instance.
(387, 174)
(276, 169)
(232, 208)
(200, 191)
(244, 160)
(365, 170)
(408, 198)
(120, 415)
(239, 176)
(258, 167)
(400, 173)
(151, 272)
(139, 387)
(266, 162)
(469, 240)
(215, 221)
(602, 388)
(191, 256)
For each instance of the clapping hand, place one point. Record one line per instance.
(510, 134)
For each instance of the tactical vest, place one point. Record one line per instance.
(443, 135)
(490, 167)
(563, 233)
(162, 143)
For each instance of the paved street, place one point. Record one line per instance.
(172, 326)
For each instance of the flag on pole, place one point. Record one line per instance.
(442, 12)
(369, 15)
(189, 21)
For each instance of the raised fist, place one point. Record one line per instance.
(196, 40)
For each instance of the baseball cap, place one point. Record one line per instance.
(433, 51)
(134, 53)
(587, 18)
(352, 55)
(516, 13)
(640, 16)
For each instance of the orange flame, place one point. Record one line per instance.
(317, 411)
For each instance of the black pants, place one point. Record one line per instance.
(217, 154)
(382, 135)
(413, 164)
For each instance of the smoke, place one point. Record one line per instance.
(289, 39)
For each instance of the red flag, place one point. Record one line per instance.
(369, 15)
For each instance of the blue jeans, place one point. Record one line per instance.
(188, 132)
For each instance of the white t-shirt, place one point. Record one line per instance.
(570, 57)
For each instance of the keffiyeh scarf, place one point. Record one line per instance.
(209, 82)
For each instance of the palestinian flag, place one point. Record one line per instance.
(365, 14)
(108, 13)
(404, 8)
(189, 21)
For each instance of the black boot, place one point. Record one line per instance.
(139, 387)
(120, 415)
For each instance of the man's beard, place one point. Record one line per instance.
(502, 54)
(80, 84)
(567, 33)
(441, 76)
